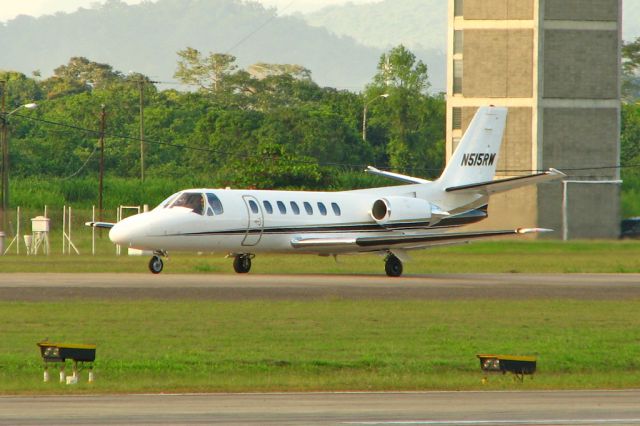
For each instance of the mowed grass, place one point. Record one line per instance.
(506, 256)
(325, 345)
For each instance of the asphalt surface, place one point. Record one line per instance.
(421, 408)
(42, 287)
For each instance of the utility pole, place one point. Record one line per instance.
(103, 116)
(364, 114)
(141, 87)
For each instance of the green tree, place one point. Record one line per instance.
(211, 73)
(407, 128)
(80, 75)
(630, 135)
(20, 89)
(631, 71)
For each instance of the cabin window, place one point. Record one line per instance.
(215, 203)
(190, 200)
(323, 209)
(308, 208)
(209, 211)
(282, 208)
(336, 209)
(254, 207)
(295, 208)
(268, 207)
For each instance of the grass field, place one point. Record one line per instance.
(481, 257)
(333, 344)
(198, 346)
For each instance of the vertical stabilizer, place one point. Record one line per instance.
(476, 157)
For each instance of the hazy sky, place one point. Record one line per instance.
(9, 9)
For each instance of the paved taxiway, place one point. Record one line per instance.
(420, 408)
(40, 287)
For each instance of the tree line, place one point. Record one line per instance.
(267, 126)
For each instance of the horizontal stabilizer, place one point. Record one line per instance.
(395, 176)
(502, 185)
(404, 241)
(104, 225)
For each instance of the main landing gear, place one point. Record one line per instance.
(156, 264)
(242, 263)
(393, 266)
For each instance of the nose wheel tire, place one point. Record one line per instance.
(393, 266)
(156, 265)
(242, 263)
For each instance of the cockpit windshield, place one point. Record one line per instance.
(199, 202)
(167, 201)
(191, 200)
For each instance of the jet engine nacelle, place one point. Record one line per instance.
(390, 210)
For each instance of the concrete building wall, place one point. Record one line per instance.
(498, 9)
(509, 73)
(590, 208)
(582, 10)
(555, 64)
(575, 138)
(581, 64)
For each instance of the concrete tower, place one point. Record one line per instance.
(556, 65)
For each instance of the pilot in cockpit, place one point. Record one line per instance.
(191, 200)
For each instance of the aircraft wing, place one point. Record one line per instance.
(104, 225)
(402, 241)
(502, 185)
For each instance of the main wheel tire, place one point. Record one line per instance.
(242, 264)
(156, 264)
(393, 266)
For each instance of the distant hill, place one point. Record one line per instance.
(630, 20)
(421, 25)
(145, 38)
(414, 23)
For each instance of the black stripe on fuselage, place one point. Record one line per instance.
(466, 218)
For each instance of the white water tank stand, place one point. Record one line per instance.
(40, 226)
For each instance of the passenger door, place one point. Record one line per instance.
(255, 225)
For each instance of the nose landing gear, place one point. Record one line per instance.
(156, 264)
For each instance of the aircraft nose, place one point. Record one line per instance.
(129, 231)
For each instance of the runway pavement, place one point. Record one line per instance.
(420, 408)
(40, 287)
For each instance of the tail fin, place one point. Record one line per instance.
(475, 158)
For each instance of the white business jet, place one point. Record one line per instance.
(387, 220)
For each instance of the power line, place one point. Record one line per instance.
(264, 24)
(95, 148)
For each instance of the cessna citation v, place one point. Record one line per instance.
(389, 220)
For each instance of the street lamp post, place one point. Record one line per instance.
(4, 121)
(364, 114)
